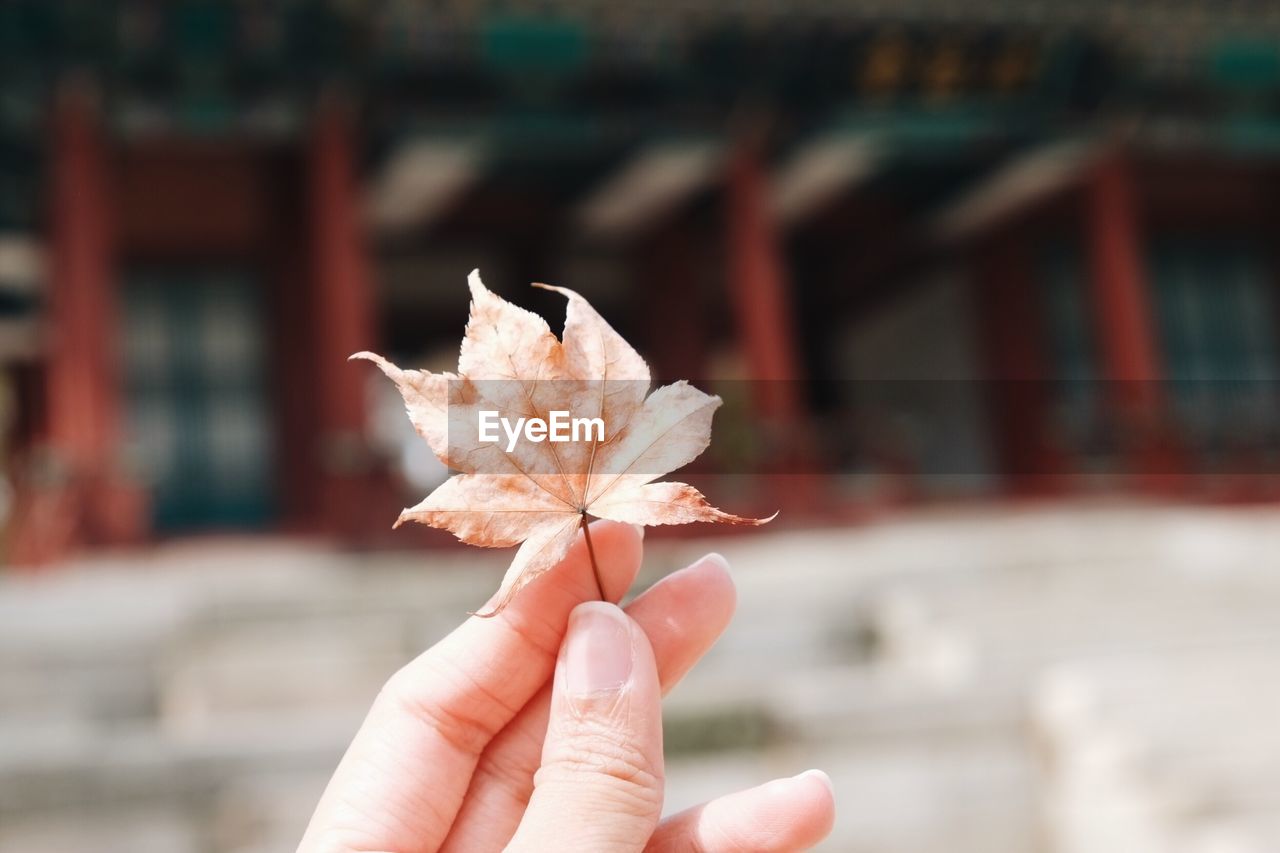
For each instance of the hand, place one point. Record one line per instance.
(540, 729)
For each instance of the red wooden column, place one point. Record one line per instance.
(1125, 321)
(79, 418)
(1014, 338)
(758, 289)
(758, 292)
(82, 470)
(343, 311)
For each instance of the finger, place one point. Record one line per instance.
(600, 783)
(412, 759)
(782, 815)
(682, 615)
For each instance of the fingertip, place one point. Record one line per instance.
(814, 802)
(602, 523)
(708, 581)
(793, 813)
(615, 532)
(683, 614)
(702, 593)
(712, 586)
(642, 680)
(599, 650)
(819, 775)
(716, 570)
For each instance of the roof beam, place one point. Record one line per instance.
(819, 172)
(1018, 183)
(647, 187)
(419, 181)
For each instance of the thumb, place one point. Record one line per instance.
(600, 784)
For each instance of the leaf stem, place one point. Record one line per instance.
(591, 552)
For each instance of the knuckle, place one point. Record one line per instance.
(619, 769)
(508, 772)
(402, 694)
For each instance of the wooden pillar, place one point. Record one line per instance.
(759, 290)
(1125, 322)
(1017, 367)
(81, 408)
(759, 295)
(81, 469)
(343, 310)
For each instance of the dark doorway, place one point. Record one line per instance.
(195, 374)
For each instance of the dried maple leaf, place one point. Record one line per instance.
(537, 494)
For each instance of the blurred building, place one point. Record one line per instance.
(1018, 248)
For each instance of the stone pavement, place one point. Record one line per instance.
(1049, 679)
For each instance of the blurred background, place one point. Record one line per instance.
(990, 291)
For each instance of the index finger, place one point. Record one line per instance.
(403, 778)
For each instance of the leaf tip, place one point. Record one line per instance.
(729, 518)
(385, 366)
(491, 609)
(563, 291)
(568, 294)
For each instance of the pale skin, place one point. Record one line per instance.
(540, 729)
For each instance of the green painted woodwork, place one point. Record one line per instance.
(534, 44)
(1246, 64)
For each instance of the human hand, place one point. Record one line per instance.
(540, 729)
